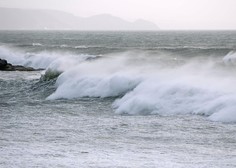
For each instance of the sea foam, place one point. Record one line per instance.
(145, 85)
(200, 88)
(230, 58)
(56, 61)
(107, 77)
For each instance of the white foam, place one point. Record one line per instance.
(102, 78)
(47, 60)
(230, 58)
(183, 91)
(146, 84)
(36, 44)
(11, 56)
(81, 47)
(194, 88)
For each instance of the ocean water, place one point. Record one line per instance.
(121, 99)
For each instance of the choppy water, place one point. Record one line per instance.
(123, 99)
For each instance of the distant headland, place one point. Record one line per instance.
(27, 19)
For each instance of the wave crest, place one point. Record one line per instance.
(192, 88)
(102, 78)
(160, 84)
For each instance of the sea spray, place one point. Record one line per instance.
(51, 61)
(12, 55)
(107, 77)
(192, 88)
(171, 85)
(230, 58)
(157, 84)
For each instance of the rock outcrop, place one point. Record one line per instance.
(5, 66)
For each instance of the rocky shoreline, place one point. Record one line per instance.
(5, 66)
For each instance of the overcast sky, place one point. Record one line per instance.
(167, 14)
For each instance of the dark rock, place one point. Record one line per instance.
(5, 66)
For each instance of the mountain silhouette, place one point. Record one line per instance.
(27, 19)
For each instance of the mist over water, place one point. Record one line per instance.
(128, 79)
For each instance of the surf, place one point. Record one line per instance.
(192, 87)
(141, 83)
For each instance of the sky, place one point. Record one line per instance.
(167, 14)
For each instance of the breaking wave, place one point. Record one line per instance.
(193, 88)
(141, 85)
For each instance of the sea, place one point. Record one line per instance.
(151, 99)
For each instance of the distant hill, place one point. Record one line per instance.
(26, 19)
